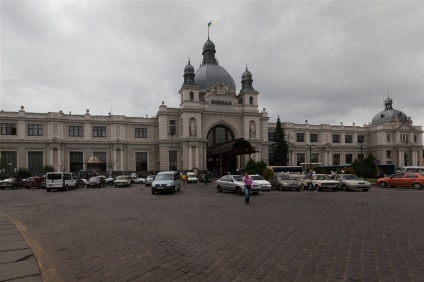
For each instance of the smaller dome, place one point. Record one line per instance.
(388, 101)
(389, 114)
(188, 68)
(209, 45)
(246, 75)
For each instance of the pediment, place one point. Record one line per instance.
(406, 126)
(54, 140)
(220, 95)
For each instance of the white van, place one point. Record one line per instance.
(411, 169)
(60, 180)
(166, 181)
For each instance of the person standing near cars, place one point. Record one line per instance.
(247, 187)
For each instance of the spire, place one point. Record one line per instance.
(189, 73)
(246, 81)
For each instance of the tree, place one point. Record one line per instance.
(268, 173)
(251, 167)
(280, 148)
(365, 167)
(48, 168)
(23, 172)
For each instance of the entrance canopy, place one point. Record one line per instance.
(236, 147)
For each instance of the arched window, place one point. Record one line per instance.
(191, 96)
(219, 134)
(251, 100)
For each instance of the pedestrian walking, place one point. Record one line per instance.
(206, 178)
(247, 187)
(184, 178)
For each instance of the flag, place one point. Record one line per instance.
(209, 24)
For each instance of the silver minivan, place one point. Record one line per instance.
(166, 181)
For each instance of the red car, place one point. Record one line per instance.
(414, 180)
(31, 182)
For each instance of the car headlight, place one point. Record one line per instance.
(153, 185)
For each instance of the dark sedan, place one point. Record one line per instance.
(32, 182)
(96, 181)
(284, 182)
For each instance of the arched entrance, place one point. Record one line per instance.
(223, 150)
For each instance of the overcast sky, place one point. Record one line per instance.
(322, 61)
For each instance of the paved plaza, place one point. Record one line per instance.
(198, 234)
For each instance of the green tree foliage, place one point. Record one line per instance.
(366, 167)
(268, 173)
(251, 167)
(23, 172)
(280, 148)
(48, 168)
(261, 166)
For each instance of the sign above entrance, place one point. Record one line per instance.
(221, 102)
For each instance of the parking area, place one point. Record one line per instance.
(128, 234)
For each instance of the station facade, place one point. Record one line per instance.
(214, 128)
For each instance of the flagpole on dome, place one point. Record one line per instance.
(209, 25)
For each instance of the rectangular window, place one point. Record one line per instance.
(76, 131)
(76, 162)
(349, 158)
(361, 138)
(300, 158)
(336, 159)
(313, 137)
(35, 163)
(8, 129)
(389, 154)
(348, 138)
(172, 127)
(141, 161)
(336, 138)
(300, 137)
(415, 138)
(388, 137)
(271, 136)
(99, 131)
(9, 161)
(141, 133)
(315, 158)
(35, 130)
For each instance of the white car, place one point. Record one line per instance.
(351, 182)
(264, 184)
(123, 180)
(320, 181)
(234, 183)
(140, 180)
(191, 177)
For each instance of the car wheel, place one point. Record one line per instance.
(15, 187)
(48, 190)
(344, 187)
(280, 188)
(365, 190)
(219, 189)
(153, 192)
(316, 187)
(383, 184)
(417, 186)
(238, 191)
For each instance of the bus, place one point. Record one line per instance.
(411, 169)
(289, 169)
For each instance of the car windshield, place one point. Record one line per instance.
(168, 176)
(238, 178)
(257, 177)
(122, 177)
(321, 177)
(285, 177)
(95, 178)
(350, 177)
(54, 176)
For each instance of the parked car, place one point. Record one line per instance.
(80, 182)
(320, 182)
(191, 177)
(11, 182)
(123, 181)
(234, 183)
(32, 182)
(351, 182)
(414, 180)
(264, 184)
(141, 180)
(110, 181)
(283, 181)
(96, 181)
(149, 180)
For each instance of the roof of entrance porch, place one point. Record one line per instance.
(236, 147)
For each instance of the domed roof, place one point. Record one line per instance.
(188, 68)
(389, 114)
(209, 74)
(246, 75)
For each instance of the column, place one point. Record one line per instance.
(122, 159)
(59, 158)
(50, 156)
(114, 159)
(400, 158)
(190, 158)
(197, 157)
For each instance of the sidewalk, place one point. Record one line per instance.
(17, 261)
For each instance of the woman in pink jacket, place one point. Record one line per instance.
(247, 187)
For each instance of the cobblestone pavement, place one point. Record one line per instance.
(199, 234)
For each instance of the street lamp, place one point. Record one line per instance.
(361, 146)
(310, 147)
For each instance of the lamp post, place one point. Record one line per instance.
(310, 147)
(361, 146)
(10, 169)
